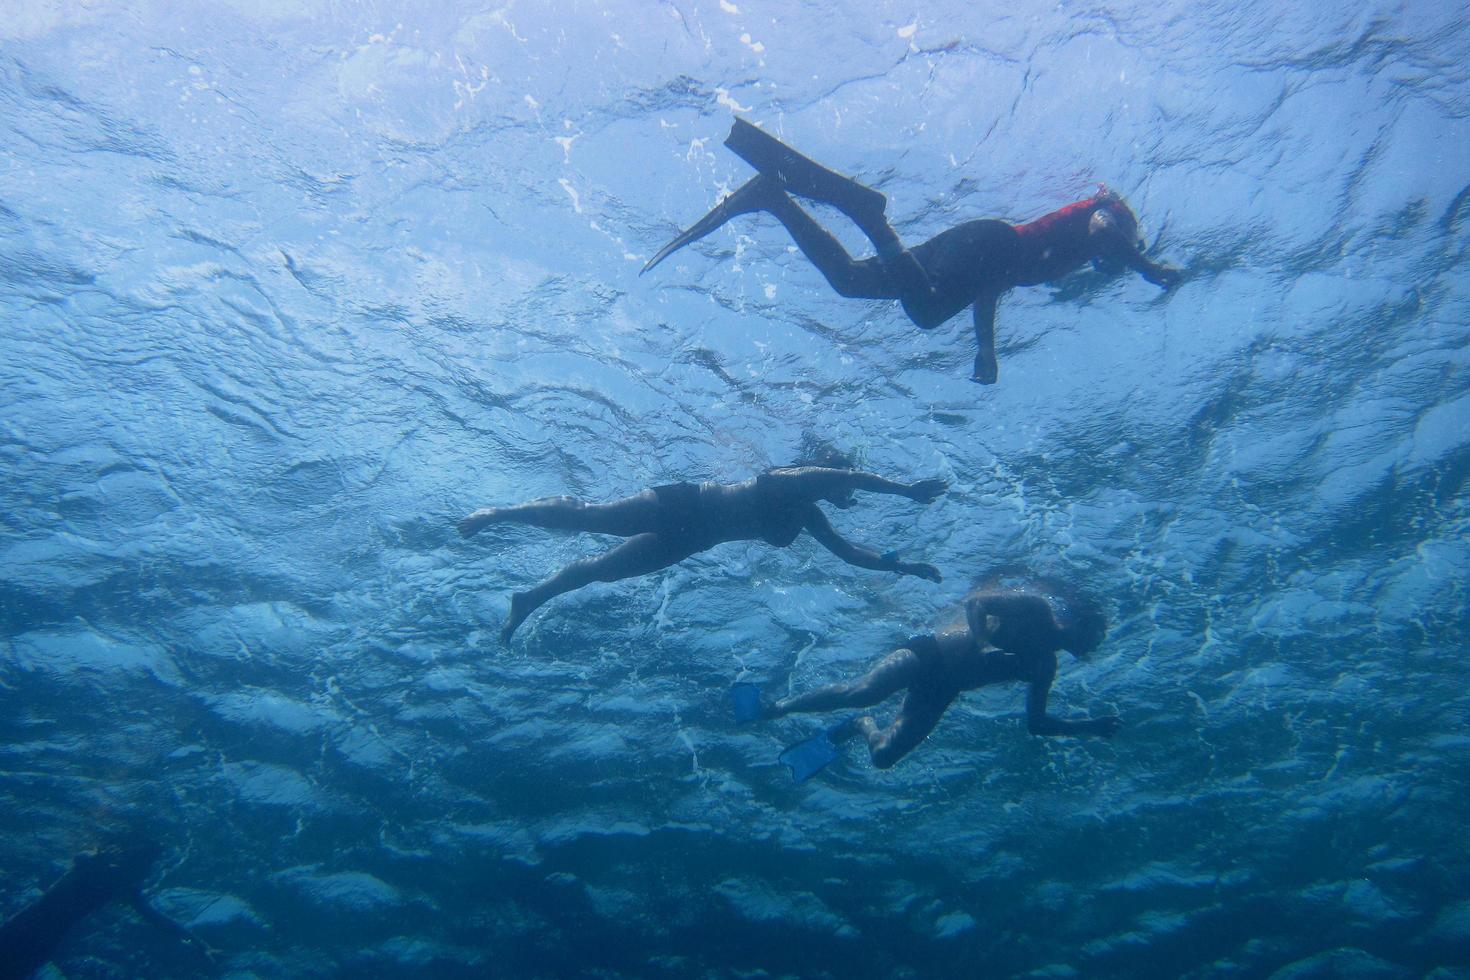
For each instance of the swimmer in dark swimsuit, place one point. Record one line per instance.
(968, 265)
(1006, 634)
(667, 524)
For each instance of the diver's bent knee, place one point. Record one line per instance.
(848, 289)
(924, 319)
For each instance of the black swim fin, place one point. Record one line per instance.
(752, 195)
(803, 176)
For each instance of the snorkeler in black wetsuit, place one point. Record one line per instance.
(115, 873)
(1006, 634)
(668, 524)
(971, 264)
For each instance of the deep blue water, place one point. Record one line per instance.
(286, 289)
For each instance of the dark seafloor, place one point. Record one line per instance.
(286, 288)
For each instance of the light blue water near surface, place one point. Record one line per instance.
(286, 289)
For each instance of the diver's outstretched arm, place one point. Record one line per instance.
(822, 481)
(921, 491)
(1163, 276)
(987, 369)
(1038, 722)
(855, 554)
(1112, 245)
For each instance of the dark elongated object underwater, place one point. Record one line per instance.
(783, 170)
(801, 175)
(115, 872)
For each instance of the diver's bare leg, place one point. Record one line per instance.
(637, 556)
(893, 673)
(916, 719)
(631, 515)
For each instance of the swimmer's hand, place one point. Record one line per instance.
(919, 569)
(927, 491)
(1164, 276)
(1107, 726)
(475, 521)
(987, 371)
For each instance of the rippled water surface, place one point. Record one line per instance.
(286, 289)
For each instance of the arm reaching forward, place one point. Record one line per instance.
(1038, 722)
(855, 554)
(822, 482)
(1111, 243)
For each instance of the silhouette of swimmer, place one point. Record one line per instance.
(1007, 632)
(668, 524)
(114, 873)
(971, 264)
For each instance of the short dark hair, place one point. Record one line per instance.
(1086, 629)
(1083, 624)
(816, 451)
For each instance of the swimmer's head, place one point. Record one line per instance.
(1114, 217)
(816, 451)
(1085, 629)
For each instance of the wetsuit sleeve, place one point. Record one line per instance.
(987, 370)
(1163, 276)
(1108, 242)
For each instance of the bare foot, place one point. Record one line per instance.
(477, 520)
(520, 608)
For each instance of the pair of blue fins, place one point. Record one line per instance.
(806, 758)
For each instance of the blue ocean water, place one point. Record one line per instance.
(288, 288)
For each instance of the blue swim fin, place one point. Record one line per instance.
(745, 701)
(808, 757)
